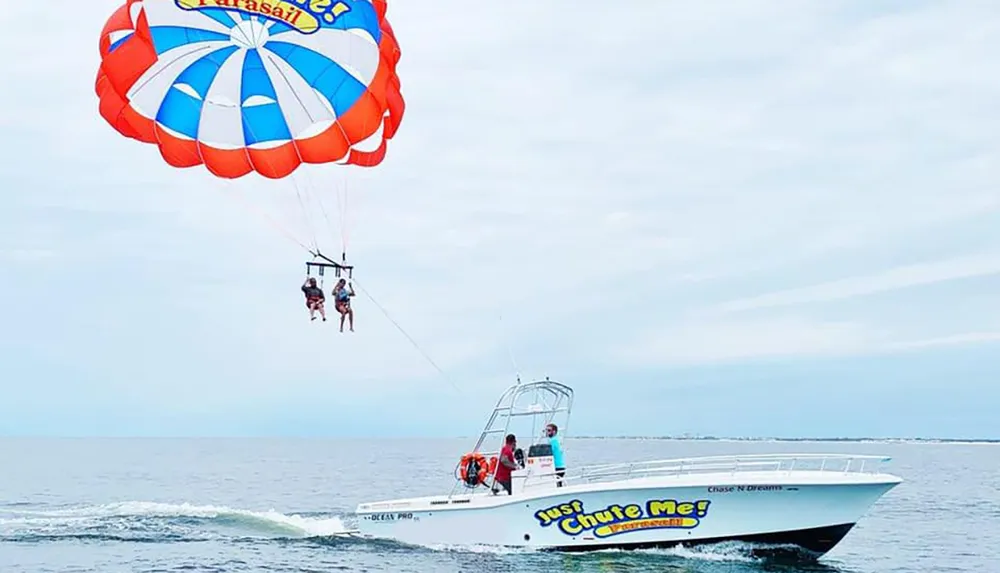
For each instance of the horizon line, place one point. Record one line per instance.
(682, 438)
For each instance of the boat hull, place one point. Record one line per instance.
(811, 516)
(815, 542)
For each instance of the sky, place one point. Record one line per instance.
(757, 218)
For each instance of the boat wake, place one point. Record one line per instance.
(746, 557)
(141, 521)
(728, 551)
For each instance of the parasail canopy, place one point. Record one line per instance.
(244, 86)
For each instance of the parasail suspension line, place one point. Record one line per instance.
(410, 338)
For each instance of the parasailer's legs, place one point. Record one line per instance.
(345, 310)
(314, 306)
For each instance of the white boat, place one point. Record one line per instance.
(803, 502)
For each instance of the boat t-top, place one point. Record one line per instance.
(808, 502)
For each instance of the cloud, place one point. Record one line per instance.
(700, 342)
(968, 338)
(888, 280)
(612, 192)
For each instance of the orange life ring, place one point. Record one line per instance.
(481, 473)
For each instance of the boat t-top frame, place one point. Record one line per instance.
(541, 402)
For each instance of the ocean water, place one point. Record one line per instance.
(255, 505)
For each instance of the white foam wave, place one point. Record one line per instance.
(738, 552)
(722, 552)
(479, 548)
(272, 520)
(733, 552)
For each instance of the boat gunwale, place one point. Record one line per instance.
(672, 473)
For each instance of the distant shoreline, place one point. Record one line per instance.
(775, 439)
(872, 440)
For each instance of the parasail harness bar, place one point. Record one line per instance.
(325, 262)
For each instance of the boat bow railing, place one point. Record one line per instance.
(843, 463)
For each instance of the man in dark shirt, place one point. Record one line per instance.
(314, 298)
(506, 463)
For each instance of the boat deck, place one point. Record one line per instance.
(763, 469)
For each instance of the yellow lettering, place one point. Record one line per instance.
(318, 6)
(339, 9)
(667, 507)
(279, 10)
(617, 510)
(570, 526)
(614, 519)
(703, 507)
(587, 521)
(604, 516)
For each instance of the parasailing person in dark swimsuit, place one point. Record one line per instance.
(315, 299)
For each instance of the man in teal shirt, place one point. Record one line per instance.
(557, 454)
